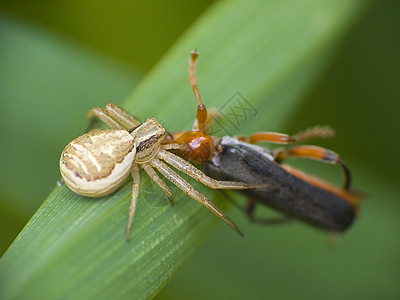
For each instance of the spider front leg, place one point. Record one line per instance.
(121, 116)
(172, 176)
(102, 115)
(190, 170)
(153, 175)
(114, 116)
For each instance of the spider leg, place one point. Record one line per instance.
(174, 146)
(172, 176)
(154, 176)
(102, 115)
(134, 195)
(114, 116)
(190, 170)
(121, 116)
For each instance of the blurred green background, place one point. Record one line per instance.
(58, 59)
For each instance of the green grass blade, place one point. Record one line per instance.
(270, 52)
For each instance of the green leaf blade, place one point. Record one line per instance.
(75, 247)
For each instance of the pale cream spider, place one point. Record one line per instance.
(97, 163)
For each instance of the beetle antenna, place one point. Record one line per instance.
(201, 116)
(193, 76)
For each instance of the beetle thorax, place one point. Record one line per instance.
(148, 137)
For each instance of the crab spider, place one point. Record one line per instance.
(98, 162)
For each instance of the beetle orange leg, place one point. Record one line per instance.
(317, 153)
(272, 137)
(281, 138)
(307, 151)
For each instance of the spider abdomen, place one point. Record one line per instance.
(97, 163)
